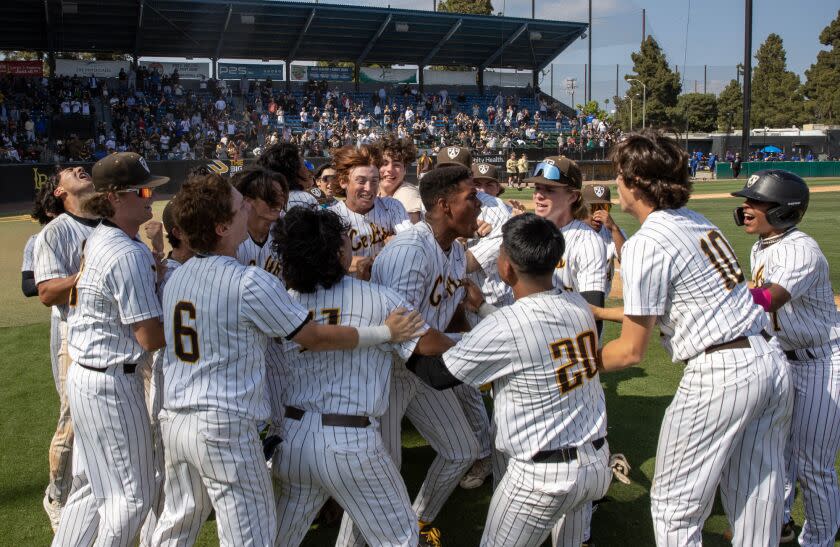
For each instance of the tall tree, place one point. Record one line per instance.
(650, 66)
(695, 112)
(473, 7)
(822, 85)
(730, 108)
(777, 99)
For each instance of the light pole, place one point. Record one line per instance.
(571, 86)
(630, 95)
(644, 98)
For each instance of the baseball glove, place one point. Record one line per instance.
(620, 468)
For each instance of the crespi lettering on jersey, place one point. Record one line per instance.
(377, 235)
(443, 288)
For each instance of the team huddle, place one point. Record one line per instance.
(265, 364)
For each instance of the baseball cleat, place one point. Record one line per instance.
(53, 510)
(479, 471)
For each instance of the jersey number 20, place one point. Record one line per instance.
(723, 259)
(187, 352)
(584, 350)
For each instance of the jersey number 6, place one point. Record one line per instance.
(723, 258)
(185, 311)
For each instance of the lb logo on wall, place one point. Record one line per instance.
(39, 178)
(221, 168)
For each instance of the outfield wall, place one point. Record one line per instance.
(723, 170)
(20, 182)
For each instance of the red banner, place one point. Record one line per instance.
(22, 68)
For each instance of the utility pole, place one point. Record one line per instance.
(745, 132)
(589, 80)
(644, 36)
(705, 74)
(533, 9)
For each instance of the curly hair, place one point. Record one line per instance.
(283, 158)
(47, 206)
(348, 157)
(309, 243)
(402, 150)
(203, 203)
(441, 182)
(656, 165)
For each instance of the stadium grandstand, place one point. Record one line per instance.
(475, 83)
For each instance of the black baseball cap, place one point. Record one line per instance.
(596, 193)
(454, 155)
(557, 171)
(124, 171)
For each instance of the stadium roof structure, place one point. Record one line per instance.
(273, 29)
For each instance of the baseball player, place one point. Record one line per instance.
(57, 254)
(541, 355)
(265, 191)
(397, 155)
(425, 265)
(372, 219)
(596, 197)
(214, 385)
(284, 158)
(729, 420)
(331, 440)
(792, 283)
(46, 207)
(112, 330)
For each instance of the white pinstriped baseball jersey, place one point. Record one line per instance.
(352, 382)
(251, 253)
(218, 316)
(28, 264)
(796, 263)
(680, 268)
(486, 252)
(117, 281)
(584, 263)
(493, 211)
(58, 249)
(368, 232)
(611, 256)
(301, 198)
(540, 353)
(414, 265)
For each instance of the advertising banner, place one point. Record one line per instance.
(100, 69)
(449, 77)
(389, 75)
(235, 71)
(187, 70)
(303, 73)
(22, 68)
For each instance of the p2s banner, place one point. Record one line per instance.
(235, 71)
(100, 69)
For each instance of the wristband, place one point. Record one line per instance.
(762, 297)
(486, 309)
(373, 336)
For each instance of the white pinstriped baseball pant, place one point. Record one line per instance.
(350, 464)
(214, 460)
(727, 424)
(114, 447)
(813, 445)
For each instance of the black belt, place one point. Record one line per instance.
(563, 455)
(791, 355)
(128, 368)
(332, 420)
(742, 342)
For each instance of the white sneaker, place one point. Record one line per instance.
(479, 471)
(53, 510)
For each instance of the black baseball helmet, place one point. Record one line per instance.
(784, 189)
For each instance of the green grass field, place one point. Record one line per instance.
(636, 400)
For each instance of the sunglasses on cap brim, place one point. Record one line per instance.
(550, 172)
(141, 192)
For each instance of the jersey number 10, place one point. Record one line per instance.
(723, 259)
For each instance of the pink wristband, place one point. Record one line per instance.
(762, 297)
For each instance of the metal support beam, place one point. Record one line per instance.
(511, 39)
(50, 39)
(222, 33)
(138, 32)
(374, 39)
(428, 59)
(172, 24)
(301, 35)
